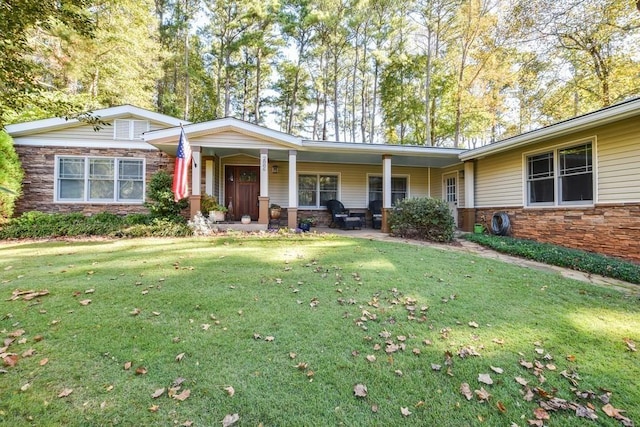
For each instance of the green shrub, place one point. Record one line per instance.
(422, 218)
(163, 204)
(157, 228)
(43, 225)
(575, 259)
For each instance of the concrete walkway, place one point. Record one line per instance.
(465, 246)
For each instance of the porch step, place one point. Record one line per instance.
(236, 226)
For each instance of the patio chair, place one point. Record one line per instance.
(338, 213)
(375, 207)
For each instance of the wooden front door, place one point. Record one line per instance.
(242, 188)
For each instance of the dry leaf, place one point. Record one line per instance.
(44, 361)
(127, 366)
(526, 364)
(473, 324)
(29, 353)
(483, 395)
(269, 338)
(485, 378)
(154, 408)
(571, 358)
(360, 390)
(371, 358)
(436, 367)
(405, 411)
(540, 414)
(631, 346)
(521, 381)
(25, 387)
(466, 391)
(10, 360)
(183, 396)
(501, 407)
(496, 370)
(230, 391)
(85, 302)
(66, 392)
(17, 333)
(159, 392)
(179, 357)
(141, 370)
(230, 420)
(135, 312)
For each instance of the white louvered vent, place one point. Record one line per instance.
(129, 129)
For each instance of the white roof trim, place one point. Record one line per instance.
(587, 121)
(355, 147)
(116, 144)
(39, 126)
(220, 125)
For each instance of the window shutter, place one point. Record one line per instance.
(121, 129)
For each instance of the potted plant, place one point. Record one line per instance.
(275, 211)
(304, 224)
(210, 204)
(246, 219)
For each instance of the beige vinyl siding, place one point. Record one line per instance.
(231, 139)
(352, 181)
(618, 160)
(498, 180)
(85, 132)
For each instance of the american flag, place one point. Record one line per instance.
(183, 159)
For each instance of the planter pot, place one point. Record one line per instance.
(304, 227)
(478, 228)
(275, 213)
(246, 219)
(217, 216)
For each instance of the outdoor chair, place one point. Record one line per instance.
(375, 207)
(340, 216)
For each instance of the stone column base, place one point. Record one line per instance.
(263, 216)
(194, 205)
(292, 217)
(385, 218)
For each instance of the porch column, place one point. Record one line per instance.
(292, 209)
(263, 198)
(208, 174)
(196, 181)
(469, 217)
(386, 191)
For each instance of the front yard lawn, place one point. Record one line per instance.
(305, 330)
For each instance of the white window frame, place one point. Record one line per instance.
(557, 177)
(131, 124)
(86, 178)
(318, 175)
(378, 175)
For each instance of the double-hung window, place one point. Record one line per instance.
(562, 176)
(315, 189)
(99, 179)
(399, 188)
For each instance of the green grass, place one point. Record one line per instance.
(326, 299)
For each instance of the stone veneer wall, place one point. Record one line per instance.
(38, 164)
(611, 229)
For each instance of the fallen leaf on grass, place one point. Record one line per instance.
(360, 390)
(159, 392)
(180, 357)
(230, 391)
(540, 414)
(44, 361)
(473, 324)
(436, 367)
(617, 414)
(230, 420)
(183, 396)
(25, 387)
(127, 366)
(141, 370)
(631, 346)
(66, 392)
(405, 411)
(269, 338)
(501, 407)
(483, 395)
(29, 353)
(466, 391)
(521, 381)
(526, 364)
(135, 312)
(496, 369)
(10, 360)
(154, 408)
(17, 333)
(371, 358)
(485, 378)
(85, 302)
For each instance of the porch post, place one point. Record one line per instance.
(386, 191)
(292, 209)
(263, 199)
(196, 181)
(469, 217)
(208, 177)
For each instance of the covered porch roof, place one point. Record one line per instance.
(229, 136)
